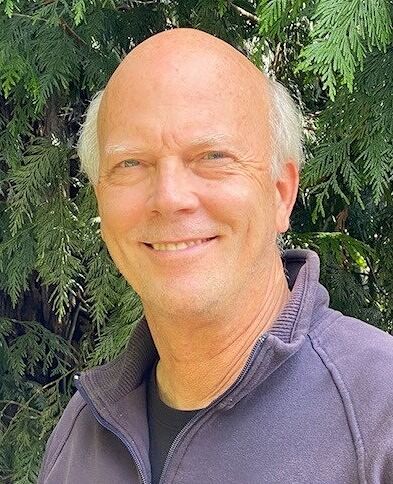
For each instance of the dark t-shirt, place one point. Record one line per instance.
(164, 425)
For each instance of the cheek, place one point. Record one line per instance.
(120, 209)
(247, 206)
(259, 211)
(247, 195)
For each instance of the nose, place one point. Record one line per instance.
(173, 188)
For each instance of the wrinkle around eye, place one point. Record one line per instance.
(221, 154)
(133, 163)
(214, 159)
(118, 174)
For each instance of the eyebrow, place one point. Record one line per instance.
(122, 148)
(200, 141)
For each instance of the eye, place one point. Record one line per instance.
(215, 155)
(131, 163)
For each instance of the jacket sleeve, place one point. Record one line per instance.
(380, 456)
(60, 435)
(360, 360)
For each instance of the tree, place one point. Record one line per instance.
(63, 304)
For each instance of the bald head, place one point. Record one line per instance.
(187, 54)
(182, 69)
(189, 70)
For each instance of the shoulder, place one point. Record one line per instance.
(359, 353)
(360, 360)
(61, 433)
(353, 344)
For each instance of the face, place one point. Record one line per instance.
(188, 208)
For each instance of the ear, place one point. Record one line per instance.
(286, 187)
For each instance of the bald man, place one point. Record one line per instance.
(239, 371)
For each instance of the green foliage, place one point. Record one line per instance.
(113, 339)
(276, 15)
(337, 59)
(63, 304)
(356, 133)
(31, 184)
(342, 34)
(345, 266)
(29, 355)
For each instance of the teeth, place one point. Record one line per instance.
(178, 245)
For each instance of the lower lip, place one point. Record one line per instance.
(179, 252)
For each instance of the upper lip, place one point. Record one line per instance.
(179, 241)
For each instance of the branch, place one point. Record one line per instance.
(73, 325)
(31, 17)
(63, 24)
(67, 29)
(19, 404)
(245, 13)
(133, 3)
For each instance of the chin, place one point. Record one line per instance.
(176, 298)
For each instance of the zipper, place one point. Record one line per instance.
(213, 405)
(111, 428)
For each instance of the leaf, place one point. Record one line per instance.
(342, 34)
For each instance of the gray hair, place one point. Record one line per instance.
(88, 149)
(285, 122)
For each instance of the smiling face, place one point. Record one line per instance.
(188, 208)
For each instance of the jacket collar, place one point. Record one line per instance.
(112, 381)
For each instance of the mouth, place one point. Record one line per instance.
(176, 246)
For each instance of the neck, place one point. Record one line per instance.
(200, 359)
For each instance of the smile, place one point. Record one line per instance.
(173, 246)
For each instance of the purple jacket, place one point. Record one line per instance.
(313, 404)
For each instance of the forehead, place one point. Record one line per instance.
(184, 101)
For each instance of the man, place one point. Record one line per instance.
(239, 373)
